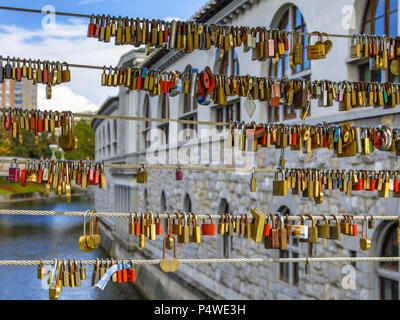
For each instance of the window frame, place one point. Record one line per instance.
(293, 251)
(287, 19)
(382, 272)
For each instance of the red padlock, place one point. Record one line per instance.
(7, 125)
(325, 141)
(39, 122)
(354, 227)
(90, 175)
(24, 172)
(158, 226)
(178, 174)
(294, 138)
(138, 81)
(18, 72)
(119, 273)
(267, 228)
(359, 186)
(96, 27)
(124, 272)
(396, 185)
(45, 77)
(13, 171)
(39, 174)
(208, 229)
(137, 225)
(372, 183)
(166, 35)
(132, 273)
(97, 175)
(91, 27)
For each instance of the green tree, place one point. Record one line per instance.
(11, 147)
(85, 135)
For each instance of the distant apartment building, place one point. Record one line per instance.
(18, 94)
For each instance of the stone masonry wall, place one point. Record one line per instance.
(261, 281)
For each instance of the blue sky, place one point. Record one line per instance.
(23, 35)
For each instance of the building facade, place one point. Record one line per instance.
(18, 94)
(202, 192)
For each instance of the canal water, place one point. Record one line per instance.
(44, 237)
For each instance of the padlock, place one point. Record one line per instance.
(14, 171)
(221, 225)
(334, 230)
(283, 235)
(141, 176)
(280, 186)
(323, 228)
(178, 174)
(365, 243)
(159, 230)
(253, 183)
(317, 50)
(208, 229)
(196, 237)
(267, 227)
(177, 227)
(131, 273)
(300, 231)
(312, 231)
(307, 269)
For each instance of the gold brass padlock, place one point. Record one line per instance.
(279, 186)
(318, 50)
(312, 231)
(323, 228)
(141, 176)
(365, 243)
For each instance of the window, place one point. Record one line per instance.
(187, 204)
(189, 112)
(380, 17)
(230, 112)
(145, 200)
(163, 202)
(229, 65)
(189, 103)
(289, 272)
(164, 106)
(146, 113)
(388, 272)
(227, 240)
(290, 19)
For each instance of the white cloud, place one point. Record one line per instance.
(67, 42)
(64, 99)
(169, 19)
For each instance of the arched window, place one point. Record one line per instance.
(108, 139)
(189, 103)
(380, 17)
(388, 272)
(189, 112)
(228, 65)
(164, 113)
(187, 204)
(288, 19)
(146, 113)
(115, 138)
(145, 200)
(163, 202)
(228, 240)
(289, 272)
